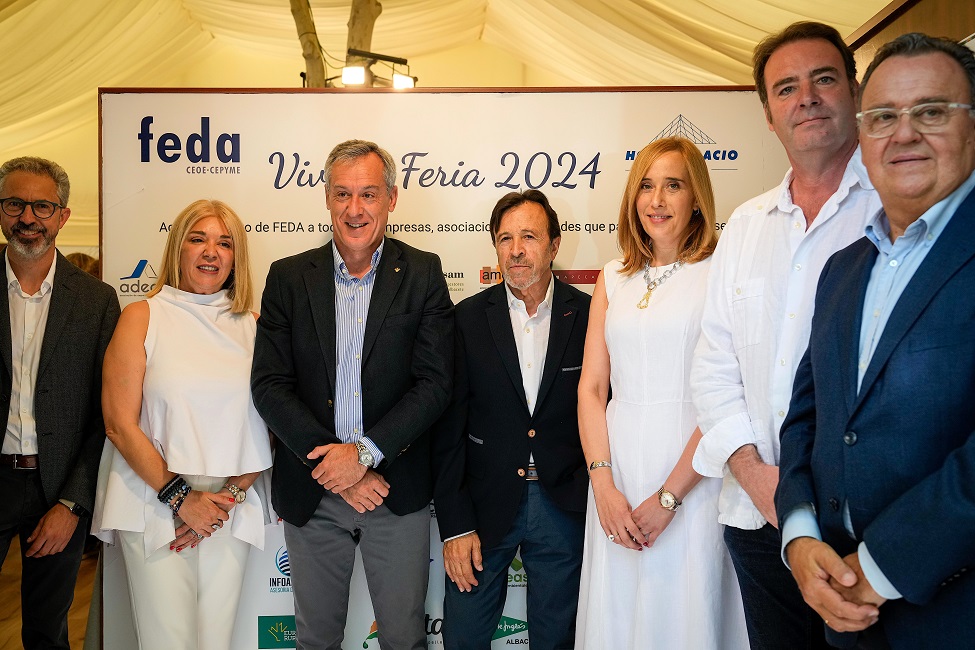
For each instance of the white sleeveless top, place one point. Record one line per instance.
(198, 412)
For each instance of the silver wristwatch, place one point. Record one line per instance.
(365, 456)
(668, 500)
(238, 494)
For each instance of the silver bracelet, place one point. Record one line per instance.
(600, 463)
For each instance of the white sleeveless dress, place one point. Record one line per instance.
(682, 593)
(198, 412)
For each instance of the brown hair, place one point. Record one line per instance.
(238, 285)
(701, 235)
(513, 200)
(801, 31)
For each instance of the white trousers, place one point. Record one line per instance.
(186, 600)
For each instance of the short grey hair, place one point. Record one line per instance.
(352, 149)
(39, 167)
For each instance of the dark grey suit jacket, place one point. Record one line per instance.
(68, 385)
(407, 361)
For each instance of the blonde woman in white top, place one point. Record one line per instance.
(185, 443)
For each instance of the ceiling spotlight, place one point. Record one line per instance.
(403, 81)
(353, 75)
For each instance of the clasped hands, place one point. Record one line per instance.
(833, 586)
(202, 513)
(341, 472)
(635, 529)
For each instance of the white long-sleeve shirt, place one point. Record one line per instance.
(756, 323)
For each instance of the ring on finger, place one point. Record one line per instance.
(215, 526)
(611, 537)
(198, 535)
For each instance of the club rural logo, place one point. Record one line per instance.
(276, 632)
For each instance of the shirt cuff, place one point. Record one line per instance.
(874, 575)
(718, 444)
(801, 522)
(374, 450)
(470, 532)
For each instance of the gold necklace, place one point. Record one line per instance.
(655, 282)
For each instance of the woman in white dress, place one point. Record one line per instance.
(185, 443)
(655, 573)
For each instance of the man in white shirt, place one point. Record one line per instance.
(508, 462)
(759, 307)
(55, 323)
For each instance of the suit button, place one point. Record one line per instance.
(521, 472)
(329, 403)
(834, 503)
(531, 433)
(850, 438)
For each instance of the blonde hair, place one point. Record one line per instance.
(701, 237)
(238, 285)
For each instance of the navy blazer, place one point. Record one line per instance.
(901, 451)
(483, 442)
(407, 361)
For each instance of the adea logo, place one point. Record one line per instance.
(142, 278)
(281, 583)
(373, 634)
(490, 275)
(197, 146)
(516, 574)
(276, 632)
(508, 626)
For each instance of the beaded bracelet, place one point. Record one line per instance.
(178, 502)
(169, 490)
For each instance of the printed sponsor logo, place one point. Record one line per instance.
(139, 281)
(198, 148)
(508, 626)
(276, 632)
(489, 275)
(680, 126)
(577, 276)
(516, 574)
(455, 280)
(373, 634)
(282, 583)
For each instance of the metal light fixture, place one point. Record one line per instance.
(359, 75)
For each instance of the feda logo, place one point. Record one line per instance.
(197, 146)
(276, 632)
(142, 278)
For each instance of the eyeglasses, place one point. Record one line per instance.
(925, 118)
(14, 207)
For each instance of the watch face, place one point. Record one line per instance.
(667, 500)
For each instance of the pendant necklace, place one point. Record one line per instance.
(655, 282)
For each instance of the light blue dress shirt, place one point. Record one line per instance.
(352, 298)
(896, 264)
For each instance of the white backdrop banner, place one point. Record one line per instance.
(457, 153)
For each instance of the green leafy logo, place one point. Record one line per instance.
(276, 632)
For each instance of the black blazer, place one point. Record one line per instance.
(68, 385)
(487, 433)
(901, 450)
(407, 361)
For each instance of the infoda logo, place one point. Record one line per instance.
(276, 632)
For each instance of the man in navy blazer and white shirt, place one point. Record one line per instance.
(508, 461)
(878, 449)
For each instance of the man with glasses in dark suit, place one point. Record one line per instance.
(55, 324)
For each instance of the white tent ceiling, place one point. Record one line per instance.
(56, 53)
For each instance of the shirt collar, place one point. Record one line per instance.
(341, 271)
(14, 283)
(932, 222)
(546, 303)
(854, 174)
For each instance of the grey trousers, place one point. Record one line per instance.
(396, 558)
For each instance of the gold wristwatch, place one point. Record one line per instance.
(668, 500)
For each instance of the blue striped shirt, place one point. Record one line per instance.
(352, 298)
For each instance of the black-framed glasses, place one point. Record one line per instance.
(14, 207)
(929, 117)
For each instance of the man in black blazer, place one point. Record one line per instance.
(352, 365)
(878, 449)
(55, 323)
(509, 466)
